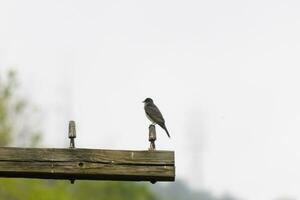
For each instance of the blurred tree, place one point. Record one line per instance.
(227, 196)
(17, 127)
(17, 189)
(108, 190)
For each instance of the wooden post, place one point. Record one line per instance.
(88, 164)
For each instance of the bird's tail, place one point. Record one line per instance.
(165, 128)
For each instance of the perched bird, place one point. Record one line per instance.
(154, 115)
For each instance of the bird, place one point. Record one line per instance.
(154, 115)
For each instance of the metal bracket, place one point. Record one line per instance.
(72, 136)
(72, 133)
(152, 137)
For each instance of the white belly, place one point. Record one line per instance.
(150, 119)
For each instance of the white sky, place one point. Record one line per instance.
(225, 74)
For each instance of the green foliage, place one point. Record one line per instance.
(15, 125)
(20, 189)
(92, 190)
(17, 189)
(6, 89)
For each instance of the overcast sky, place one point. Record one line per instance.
(225, 74)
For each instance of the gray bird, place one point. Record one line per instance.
(154, 115)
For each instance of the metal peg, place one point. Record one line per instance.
(72, 133)
(72, 136)
(152, 137)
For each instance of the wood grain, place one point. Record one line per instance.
(88, 164)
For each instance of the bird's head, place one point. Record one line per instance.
(148, 100)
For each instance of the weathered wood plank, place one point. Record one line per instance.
(95, 164)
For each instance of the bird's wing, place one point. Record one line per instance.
(153, 112)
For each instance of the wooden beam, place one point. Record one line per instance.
(88, 164)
